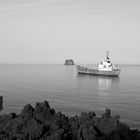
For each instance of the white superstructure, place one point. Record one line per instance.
(106, 65)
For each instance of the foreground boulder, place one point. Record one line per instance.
(43, 123)
(69, 62)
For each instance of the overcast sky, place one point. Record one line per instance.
(50, 31)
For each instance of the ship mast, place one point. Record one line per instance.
(107, 55)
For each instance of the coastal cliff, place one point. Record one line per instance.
(43, 123)
(69, 62)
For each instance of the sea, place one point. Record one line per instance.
(70, 93)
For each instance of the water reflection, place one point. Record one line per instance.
(105, 83)
(100, 82)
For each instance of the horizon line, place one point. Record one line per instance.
(63, 63)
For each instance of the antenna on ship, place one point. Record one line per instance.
(107, 56)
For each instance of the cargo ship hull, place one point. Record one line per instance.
(85, 70)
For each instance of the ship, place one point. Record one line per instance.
(105, 68)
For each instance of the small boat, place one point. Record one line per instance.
(105, 68)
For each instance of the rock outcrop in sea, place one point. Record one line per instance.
(69, 62)
(43, 123)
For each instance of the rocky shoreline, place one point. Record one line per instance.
(43, 123)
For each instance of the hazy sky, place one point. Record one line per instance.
(49, 31)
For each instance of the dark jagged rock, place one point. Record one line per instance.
(69, 62)
(43, 112)
(107, 123)
(107, 114)
(1, 103)
(43, 123)
(27, 111)
(7, 117)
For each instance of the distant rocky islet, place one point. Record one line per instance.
(69, 62)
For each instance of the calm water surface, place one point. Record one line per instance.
(71, 93)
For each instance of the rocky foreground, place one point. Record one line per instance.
(43, 123)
